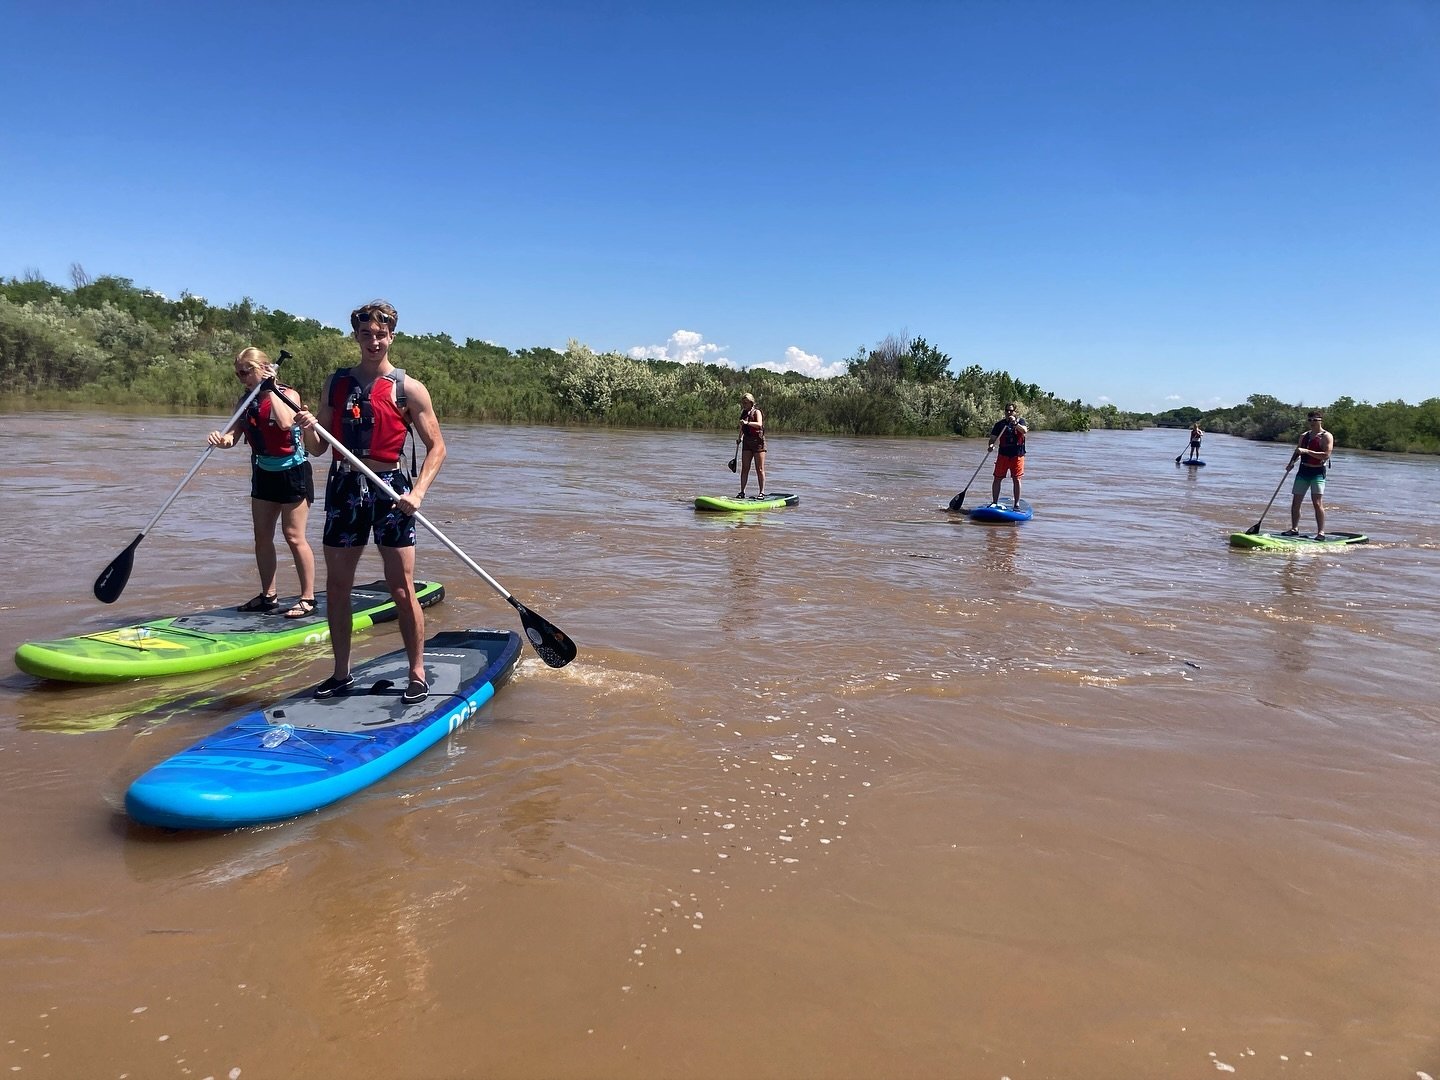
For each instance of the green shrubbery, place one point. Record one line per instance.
(1392, 426)
(106, 341)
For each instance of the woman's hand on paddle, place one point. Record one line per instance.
(221, 439)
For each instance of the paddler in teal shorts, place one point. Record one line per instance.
(1312, 453)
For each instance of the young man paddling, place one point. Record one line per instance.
(370, 408)
(1312, 452)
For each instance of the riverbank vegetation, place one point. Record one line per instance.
(104, 340)
(1391, 426)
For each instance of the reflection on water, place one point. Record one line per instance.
(1001, 547)
(744, 595)
(1073, 798)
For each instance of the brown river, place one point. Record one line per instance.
(852, 789)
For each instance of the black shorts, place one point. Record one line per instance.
(353, 509)
(285, 487)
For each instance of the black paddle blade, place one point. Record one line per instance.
(112, 580)
(732, 464)
(1177, 458)
(958, 501)
(554, 647)
(1254, 530)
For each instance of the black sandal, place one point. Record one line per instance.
(303, 607)
(415, 693)
(261, 602)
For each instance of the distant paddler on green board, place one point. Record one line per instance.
(752, 443)
(1313, 455)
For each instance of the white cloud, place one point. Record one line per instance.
(689, 347)
(797, 359)
(1172, 397)
(684, 347)
(1103, 400)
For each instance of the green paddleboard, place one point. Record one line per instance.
(207, 639)
(1274, 541)
(769, 502)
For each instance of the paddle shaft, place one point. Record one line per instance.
(553, 645)
(245, 404)
(976, 472)
(390, 493)
(1254, 529)
(113, 579)
(959, 500)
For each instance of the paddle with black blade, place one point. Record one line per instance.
(1254, 530)
(113, 579)
(553, 645)
(959, 500)
(1181, 454)
(734, 461)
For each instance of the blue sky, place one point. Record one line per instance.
(1146, 203)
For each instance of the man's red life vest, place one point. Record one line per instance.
(370, 422)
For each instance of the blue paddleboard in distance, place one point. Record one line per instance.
(1003, 513)
(306, 752)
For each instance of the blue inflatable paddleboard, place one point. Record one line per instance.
(306, 752)
(1002, 513)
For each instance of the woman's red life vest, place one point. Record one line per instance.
(264, 436)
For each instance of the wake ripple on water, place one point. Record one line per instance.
(783, 795)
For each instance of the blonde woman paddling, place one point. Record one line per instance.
(752, 443)
(282, 486)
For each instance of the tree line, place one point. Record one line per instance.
(104, 340)
(1391, 426)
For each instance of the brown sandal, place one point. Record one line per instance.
(303, 607)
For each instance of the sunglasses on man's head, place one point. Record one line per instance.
(369, 314)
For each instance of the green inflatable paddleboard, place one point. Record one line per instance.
(769, 502)
(1274, 541)
(208, 639)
